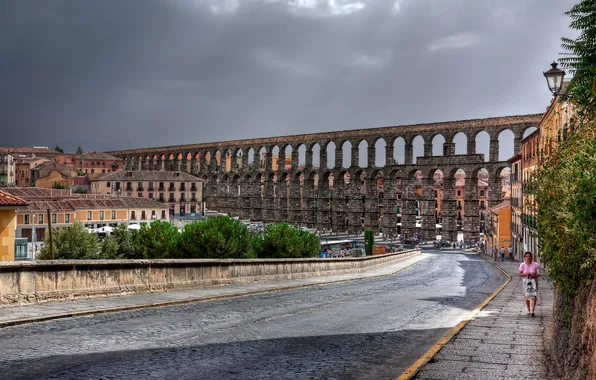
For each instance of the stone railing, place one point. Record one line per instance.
(39, 281)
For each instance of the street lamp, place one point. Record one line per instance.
(554, 78)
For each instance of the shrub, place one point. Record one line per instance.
(109, 248)
(285, 241)
(70, 243)
(156, 241)
(219, 237)
(126, 243)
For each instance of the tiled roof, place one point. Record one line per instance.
(147, 175)
(96, 156)
(499, 207)
(105, 203)
(39, 194)
(26, 150)
(7, 199)
(29, 160)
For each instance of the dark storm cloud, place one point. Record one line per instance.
(111, 73)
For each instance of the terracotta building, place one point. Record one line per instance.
(53, 175)
(530, 156)
(23, 166)
(182, 192)
(92, 210)
(516, 202)
(499, 227)
(93, 164)
(8, 207)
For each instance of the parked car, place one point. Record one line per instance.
(411, 241)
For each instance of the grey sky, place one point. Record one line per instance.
(109, 73)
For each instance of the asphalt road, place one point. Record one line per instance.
(366, 329)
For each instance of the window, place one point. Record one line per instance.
(26, 219)
(481, 193)
(88, 215)
(133, 215)
(459, 193)
(101, 215)
(66, 218)
(163, 214)
(153, 215)
(40, 218)
(53, 218)
(150, 195)
(103, 171)
(143, 215)
(92, 171)
(140, 195)
(108, 185)
(113, 214)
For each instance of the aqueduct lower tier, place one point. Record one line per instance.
(248, 178)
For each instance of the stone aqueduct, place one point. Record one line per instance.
(338, 197)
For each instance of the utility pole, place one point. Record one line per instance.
(50, 231)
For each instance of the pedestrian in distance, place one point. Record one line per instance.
(502, 252)
(510, 250)
(495, 253)
(529, 271)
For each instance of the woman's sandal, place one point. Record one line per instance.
(533, 315)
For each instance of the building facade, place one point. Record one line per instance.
(23, 166)
(499, 227)
(517, 202)
(182, 192)
(50, 175)
(32, 223)
(7, 170)
(8, 207)
(530, 153)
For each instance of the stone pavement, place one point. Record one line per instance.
(502, 341)
(60, 309)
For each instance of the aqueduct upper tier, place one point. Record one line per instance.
(319, 180)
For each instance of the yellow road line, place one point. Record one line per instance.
(414, 368)
(191, 300)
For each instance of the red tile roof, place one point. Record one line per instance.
(26, 150)
(10, 200)
(97, 156)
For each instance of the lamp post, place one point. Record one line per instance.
(554, 78)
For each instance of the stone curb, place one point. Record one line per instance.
(24, 321)
(414, 368)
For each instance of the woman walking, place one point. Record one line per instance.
(529, 270)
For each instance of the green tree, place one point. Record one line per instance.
(80, 150)
(217, 237)
(579, 56)
(565, 183)
(126, 243)
(109, 248)
(59, 149)
(285, 241)
(158, 240)
(71, 243)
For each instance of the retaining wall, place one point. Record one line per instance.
(39, 281)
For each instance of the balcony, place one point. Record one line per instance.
(161, 188)
(129, 188)
(172, 188)
(140, 188)
(171, 199)
(193, 199)
(182, 187)
(151, 188)
(182, 199)
(193, 188)
(162, 198)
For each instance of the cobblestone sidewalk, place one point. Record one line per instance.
(502, 341)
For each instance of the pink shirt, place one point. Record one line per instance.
(529, 269)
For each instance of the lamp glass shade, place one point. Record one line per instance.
(554, 78)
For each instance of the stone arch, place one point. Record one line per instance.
(417, 147)
(363, 154)
(250, 159)
(506, 144)
(437, 142)
(380, 153)
(461, 143)
(330, 148)
(399, 151)
(301, 151)
(482, 139)
(346, 148)
(525, 132)
(315, 155)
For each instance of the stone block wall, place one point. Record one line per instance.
(32, 282)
